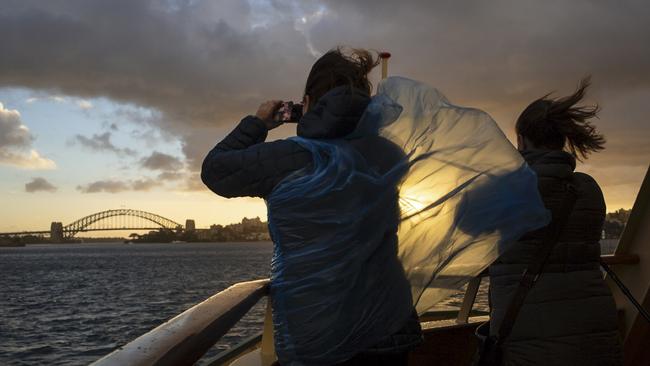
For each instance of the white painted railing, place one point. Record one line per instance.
(185, 338)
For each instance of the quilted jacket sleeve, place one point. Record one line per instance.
(242, 164)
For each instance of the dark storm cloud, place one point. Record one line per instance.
(502, 46)
(144, 184)
(198, 63)
(118, 186)
(161, 161)
(202, 65)
(108, 186)
(501, 55)
(39, 185)
(102, 142)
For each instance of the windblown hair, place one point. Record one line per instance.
(340, 67)
(556, 123)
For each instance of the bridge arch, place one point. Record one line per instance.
(72, 229)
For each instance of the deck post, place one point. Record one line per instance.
(268, 347)
(384, 56)
(468, 300)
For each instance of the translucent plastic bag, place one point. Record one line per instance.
(468, 194)
(465, 195)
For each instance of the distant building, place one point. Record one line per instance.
(56, 232)
(252, 224)
(203, 234)
(189, 225)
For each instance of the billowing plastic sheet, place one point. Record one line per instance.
(460, 195)
(468, 194)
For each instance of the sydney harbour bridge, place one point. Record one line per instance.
(121, 219)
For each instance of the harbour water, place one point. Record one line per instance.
(71, 304)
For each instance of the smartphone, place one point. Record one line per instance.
(289, 112)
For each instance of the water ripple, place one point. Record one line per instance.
(71, 304)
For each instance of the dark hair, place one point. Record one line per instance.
(553, 123)
(336, 68)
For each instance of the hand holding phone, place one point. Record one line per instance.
(267, 113)
(289, 112)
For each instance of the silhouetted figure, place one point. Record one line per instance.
(569, 316)
(337, 93)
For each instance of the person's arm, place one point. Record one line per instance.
(242, 164)
(250, 131)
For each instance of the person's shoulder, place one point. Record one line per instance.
(588, 188)
(584, 179)
(379, 151)
(283, 149)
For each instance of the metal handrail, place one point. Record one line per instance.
(613, 259)
(185, 338)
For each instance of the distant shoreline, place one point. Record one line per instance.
(128, 244)
(11, 245)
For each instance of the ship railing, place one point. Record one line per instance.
(185, 339)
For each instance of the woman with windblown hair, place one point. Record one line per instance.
(338, 290)
(569, 315)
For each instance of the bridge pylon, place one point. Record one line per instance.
(56, 232)
(190, 225)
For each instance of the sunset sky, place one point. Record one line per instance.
(111, 104)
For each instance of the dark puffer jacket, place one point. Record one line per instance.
(569, 317)
(244, 165)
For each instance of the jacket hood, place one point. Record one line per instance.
(335, 115)
(550, 163)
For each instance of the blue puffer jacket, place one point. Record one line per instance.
(243, 164)
(569, 316)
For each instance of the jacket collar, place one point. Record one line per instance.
(550, 163)
(335, 115)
